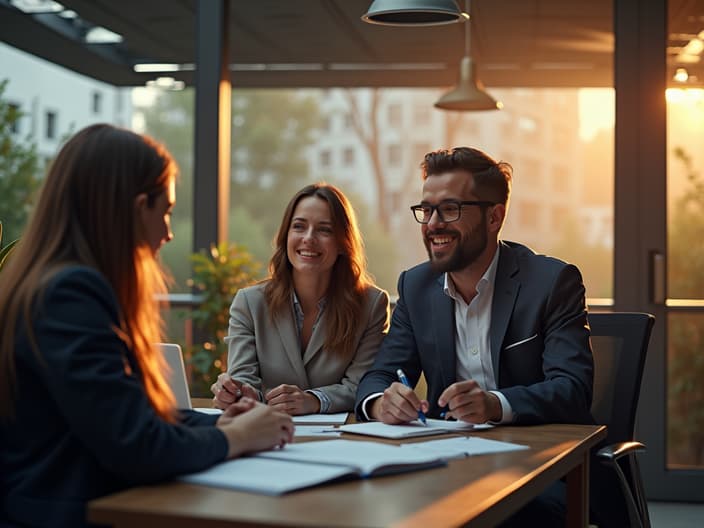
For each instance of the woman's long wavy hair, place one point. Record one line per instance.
(349, 280)
(86, 215)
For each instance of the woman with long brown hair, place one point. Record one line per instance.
(301, 340)
(84, 407)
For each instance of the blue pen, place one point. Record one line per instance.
(403, 379)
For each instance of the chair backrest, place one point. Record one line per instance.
(176, 374)
(619, 343)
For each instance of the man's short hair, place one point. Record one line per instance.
(492, 179)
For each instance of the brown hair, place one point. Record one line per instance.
(492, 179)
(86, 215)
(349, 281)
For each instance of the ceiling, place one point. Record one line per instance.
(299, 43)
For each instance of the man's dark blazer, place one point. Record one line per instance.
(539, 338)
(83, 426)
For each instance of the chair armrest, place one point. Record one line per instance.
(615, 451)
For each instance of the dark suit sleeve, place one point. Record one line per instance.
(195, 418)
(104, 404)
(398, 350)
(565, 395)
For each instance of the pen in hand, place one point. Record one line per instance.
(403, 379)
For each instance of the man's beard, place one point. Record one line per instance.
(469, 247)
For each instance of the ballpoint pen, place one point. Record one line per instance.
(403, 379)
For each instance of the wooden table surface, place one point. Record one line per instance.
(480, 490)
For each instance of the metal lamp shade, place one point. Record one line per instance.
(413, 12)
(469, 93)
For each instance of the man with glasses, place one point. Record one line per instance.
(499, 332)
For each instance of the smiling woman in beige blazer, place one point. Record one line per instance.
(302, 339)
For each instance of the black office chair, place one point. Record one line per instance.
(620, 343)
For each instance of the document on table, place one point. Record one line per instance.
(315, 430)
(334, 418)
(411, 429)
(460, 447)
(305, 464)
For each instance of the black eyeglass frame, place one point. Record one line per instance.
(436, 208)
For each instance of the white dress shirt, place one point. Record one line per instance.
(472, 339)
(472, 335)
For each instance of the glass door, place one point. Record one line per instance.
(659, 229)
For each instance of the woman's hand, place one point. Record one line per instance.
(292, 400)
(227, 391)
(255, 429)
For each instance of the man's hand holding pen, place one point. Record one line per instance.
(398, 404)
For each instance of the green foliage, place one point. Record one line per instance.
(19, 167)
(686, 331)
(5, 251)
(217, 276)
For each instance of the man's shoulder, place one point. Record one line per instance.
(527, 259)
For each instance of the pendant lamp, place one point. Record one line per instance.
(413, 12)
(469, 93)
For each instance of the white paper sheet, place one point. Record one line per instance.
(334, 418)
(411, 429)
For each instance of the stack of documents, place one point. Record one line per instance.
(411, 429)
(309, 463)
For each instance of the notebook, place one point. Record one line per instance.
(176, 376)
(411, 429)
(305, 464)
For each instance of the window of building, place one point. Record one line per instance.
(394, 115)
(325, 158)
(97, 102)
(347, 122)
(419, 152)
(50, 124)
(559, 179)
(348, 157)
(394, 155)
(421, 114)
(15, 113)
(529, 214)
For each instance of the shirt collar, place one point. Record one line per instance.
(487, 279)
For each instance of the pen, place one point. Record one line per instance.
(403, 379)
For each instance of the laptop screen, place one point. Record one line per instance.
(176, 378)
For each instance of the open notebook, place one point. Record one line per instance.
(305, 464)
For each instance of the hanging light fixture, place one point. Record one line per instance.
(469, 93)
(413, 12)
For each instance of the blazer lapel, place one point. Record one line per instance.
(443, 316)
(289, 339)
(315, 345)
(505, 293)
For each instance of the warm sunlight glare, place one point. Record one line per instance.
(691, 96)
(596, 111)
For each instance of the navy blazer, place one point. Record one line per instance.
(83, 425)
(539, 338)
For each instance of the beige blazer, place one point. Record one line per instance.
(266, 354)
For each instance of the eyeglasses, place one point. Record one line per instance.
(449, 211)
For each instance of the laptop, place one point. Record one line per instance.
(176, 378)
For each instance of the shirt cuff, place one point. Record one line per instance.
(506, 410)
(323, 398)
(366, 402)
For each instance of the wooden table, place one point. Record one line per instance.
(479, 491)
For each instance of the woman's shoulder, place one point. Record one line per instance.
(253, 291)
(80, 279)
(76, 289)
(375, 294)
